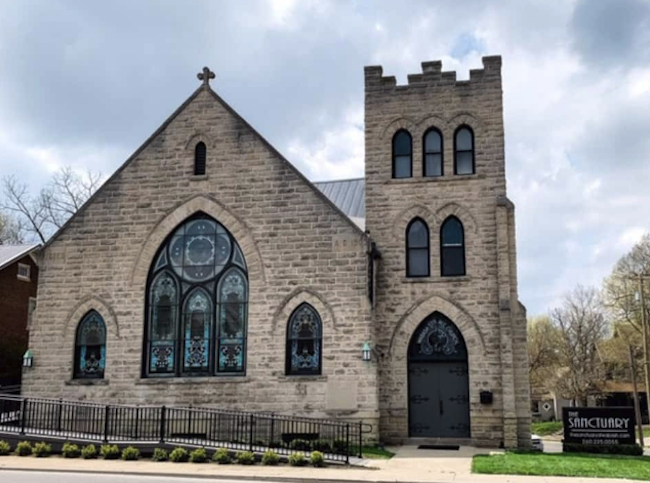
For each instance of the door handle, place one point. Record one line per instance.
(441, 407)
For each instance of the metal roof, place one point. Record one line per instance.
(11, 253)
(349, 195)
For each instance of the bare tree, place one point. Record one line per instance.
(543, 356)
(11, 231)
(56, 203)
(583, 326)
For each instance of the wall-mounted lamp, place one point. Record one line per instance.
(365, 352)
(28, 359)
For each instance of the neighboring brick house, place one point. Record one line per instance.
(18, 283)
(209, 271)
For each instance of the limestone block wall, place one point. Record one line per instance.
(483, 303)
(298, 248)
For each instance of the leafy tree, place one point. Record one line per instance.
(543, 353)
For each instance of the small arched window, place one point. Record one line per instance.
(90, 347)
(200, 154)
(433, 163)
(452, 248)
(304, 341)
(417, 249)
(402, 155)
(464, 150)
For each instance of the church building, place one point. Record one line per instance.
(208, 271)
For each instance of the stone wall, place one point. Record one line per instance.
(297, 245)
(483, 303)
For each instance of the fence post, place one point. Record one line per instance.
(23, 415)
(106, 416)
(251, 421)
(360, 439)
(347, 443)
(137, 421)
(163, 411)
(272, 439)
(60, 415)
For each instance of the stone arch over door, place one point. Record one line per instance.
(438, 380)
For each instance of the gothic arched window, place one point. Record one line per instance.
(304, 341)
(200, 155)
(417, 248)
(197, 303)
(90, 347)
(452, 247)
(464, 150)
(433, 164)
(402, 154)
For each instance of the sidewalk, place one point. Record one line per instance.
(408, 465)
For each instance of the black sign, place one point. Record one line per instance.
(599, 426)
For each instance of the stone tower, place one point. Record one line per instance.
(476, 304)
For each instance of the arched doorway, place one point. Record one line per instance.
(438, 382)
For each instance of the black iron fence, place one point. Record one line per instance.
(206, 427)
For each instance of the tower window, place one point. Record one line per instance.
(433, 165)
(452, 248)
(417, 249)
(200, 154)
(464, 151)
(402, 155)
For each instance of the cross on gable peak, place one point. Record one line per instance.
(205, 76)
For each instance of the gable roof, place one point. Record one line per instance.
(349, 195)
(10, 253)
(164, 125)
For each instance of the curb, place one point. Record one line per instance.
(242, 478)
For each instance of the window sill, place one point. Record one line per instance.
(435, 179)
(24, 279)
(198, 177)
(149, 381)
(302, 378)
(87, 382)
(460, 278)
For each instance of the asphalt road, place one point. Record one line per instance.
(53, 477)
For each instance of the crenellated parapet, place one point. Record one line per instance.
(432, 75)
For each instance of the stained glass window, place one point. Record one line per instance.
(304, 341)
(417, 249)
(197, 303)
(90, 347)
(452, 247)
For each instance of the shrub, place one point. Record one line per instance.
(340, 446)
(245, 458)
(130, 454)
(24, 448)
(5, 448)
(322, 445)
(297, 459)
(159, 454)
(89, 452)
(198, 456)
(317, 459)
(300, 445)
(625, 449)
(42, 450)
(109, 451)
(270, 458)
(179, 455)
(70, 450)
(221, 456)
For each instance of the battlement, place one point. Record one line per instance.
(432, 74)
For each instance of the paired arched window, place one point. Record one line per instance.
(200, 156)
(417, 249)
(197, 303)
(433, 161)
(464, 150)
(90, 347)
(402, 154)
(304, 342)
(452, 247)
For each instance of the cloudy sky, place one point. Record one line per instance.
(85, 83)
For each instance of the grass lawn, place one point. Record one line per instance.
(544, 429)
(375, 453)
(564, 464)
